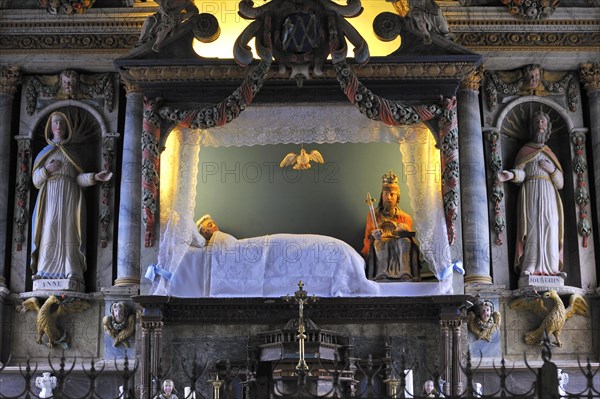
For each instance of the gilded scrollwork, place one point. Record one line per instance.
(582, 195)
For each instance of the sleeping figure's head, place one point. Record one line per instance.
(207, 226)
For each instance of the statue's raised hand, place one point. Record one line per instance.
(104, 175)
(505, 175)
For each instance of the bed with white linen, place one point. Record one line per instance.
(271, 266)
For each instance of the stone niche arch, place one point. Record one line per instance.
(94, 106)
(513, 124)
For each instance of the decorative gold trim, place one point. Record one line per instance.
(10, 78)
(590, 76)
(478, 279)
(127, 281)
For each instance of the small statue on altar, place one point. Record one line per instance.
(429, 390)
(390, 250)
(120, 325)
(482, 320)
(539, 249)
(168, 391)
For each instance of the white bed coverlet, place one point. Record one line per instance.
(271, 266)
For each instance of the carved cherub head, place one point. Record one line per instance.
(485, 310)
(532, 77)
(119, 311)
(69, 82)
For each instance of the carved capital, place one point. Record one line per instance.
(590, 76)
(10, 78)
(130, 86)
(473, 80)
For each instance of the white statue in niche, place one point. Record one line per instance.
(539, 246)
(59, 213)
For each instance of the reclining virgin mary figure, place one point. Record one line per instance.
(219, 265)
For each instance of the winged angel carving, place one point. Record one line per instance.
(555, 317)
(49, 315)
(301, 34)
(482, 320)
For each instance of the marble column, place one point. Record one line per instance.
(10, 78)
(128, 246)
(590, 77)
(474, 201)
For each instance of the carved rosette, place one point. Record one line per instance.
(582, 195)
(531, 9)
(150, 164)
(108, 156)
(22, 186)
(10, 78)
(590, 76)
(394, 113)
(497, 194)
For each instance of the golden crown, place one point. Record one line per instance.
(389, 178)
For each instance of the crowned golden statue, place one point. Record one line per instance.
(389, 246)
